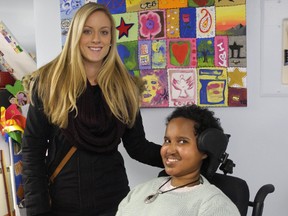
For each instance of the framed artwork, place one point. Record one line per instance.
(186, 51)
(273, 56)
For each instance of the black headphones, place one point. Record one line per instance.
(213, 142)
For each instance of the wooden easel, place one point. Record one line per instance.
(10, 208)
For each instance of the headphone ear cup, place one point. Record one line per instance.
(212, 141)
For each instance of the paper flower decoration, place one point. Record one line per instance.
(12, 122)
(20, 96)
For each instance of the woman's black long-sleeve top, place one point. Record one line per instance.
(94, 180)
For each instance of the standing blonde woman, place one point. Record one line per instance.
(84, 98)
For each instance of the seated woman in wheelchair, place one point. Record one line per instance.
(185, 191)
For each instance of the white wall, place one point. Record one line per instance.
(259, 139)
(18, 16)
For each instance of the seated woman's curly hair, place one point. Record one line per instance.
(202, 117)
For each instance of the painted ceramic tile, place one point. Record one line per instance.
(200, 3)
(156, 88)
(128, 53)
(237, 97)
(205, 22)
(221, 51)
(69, 7)
(166, 4)
(172, 16)
(182, 86)
(229, 2)
(237, 51)
(205, 52)
(181, 53)
(138, 5)
(114, 6)
(126, 26)
(212, 87)
(231, 20)
(144, 54)
(87, 1)
(237, 77)
(152, 25)
(67, 10)
(187, 19)
(158, 54)
(135, 73)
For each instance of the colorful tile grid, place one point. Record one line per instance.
(187, 51)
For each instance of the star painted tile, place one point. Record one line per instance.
(237, 77)
(123, 28)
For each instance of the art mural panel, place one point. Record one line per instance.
(186, 51)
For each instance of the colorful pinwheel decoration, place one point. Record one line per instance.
(12, 125)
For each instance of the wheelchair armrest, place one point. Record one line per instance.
(263, 192)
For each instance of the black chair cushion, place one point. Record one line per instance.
(235, 188)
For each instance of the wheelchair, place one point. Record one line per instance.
(214, 143)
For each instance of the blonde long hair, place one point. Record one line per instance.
(63, 80)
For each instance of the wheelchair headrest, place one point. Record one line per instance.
(214, 143)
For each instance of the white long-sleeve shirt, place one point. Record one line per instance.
(200, 200)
